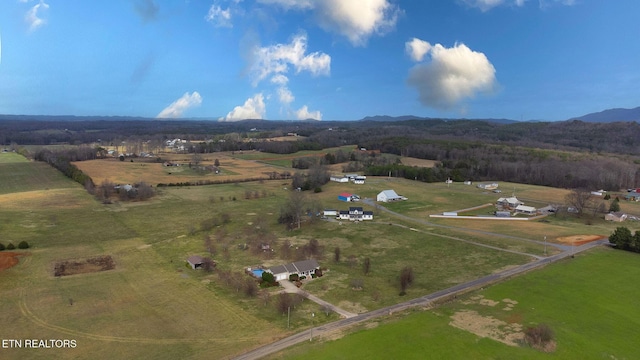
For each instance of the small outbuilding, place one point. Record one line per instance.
(487, 186)
(348, 197)
(339, 178)
(528, 210)
(195, 261)
(511, 202)
(615, 216)
(330, 212)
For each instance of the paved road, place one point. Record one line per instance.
(426, 300)
(308, 335)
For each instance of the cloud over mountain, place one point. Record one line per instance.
(253, 108)
(178, 107)
(451, 74)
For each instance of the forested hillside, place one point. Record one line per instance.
(567, 154)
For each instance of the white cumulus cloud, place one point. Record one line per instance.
(304, 114)
(253, 108)
(176, 108)
(285, 95)
(417, 49)
(357, 20)
(33, 18)
(277, 59)
(451, 75)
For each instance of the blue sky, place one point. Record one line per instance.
(320, 59)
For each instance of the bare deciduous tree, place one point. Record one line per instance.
(208, 264)
(580, 200)
(284, 303)
(366, 266)
(406, 279)
(292, 211)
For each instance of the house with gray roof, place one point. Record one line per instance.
(301, 268)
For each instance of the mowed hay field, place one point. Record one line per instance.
(127, 172)
(588, 302)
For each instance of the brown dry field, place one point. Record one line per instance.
(44, 199)
(409, 161)
(127, 172)
(285, 138)
(532, 229)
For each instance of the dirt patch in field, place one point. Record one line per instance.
(488, 326)
(579, 239)
(509, 332)
(9, 259)
(84, 266)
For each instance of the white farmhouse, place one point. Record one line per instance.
(301, 268)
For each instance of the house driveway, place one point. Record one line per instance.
(291, 288)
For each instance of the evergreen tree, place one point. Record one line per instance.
(615, 205)
(621, 238)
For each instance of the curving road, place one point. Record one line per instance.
(308, 335)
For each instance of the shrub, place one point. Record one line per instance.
(293, 277)
(10, 246)
(1, 246)
(268, 278)
(23, 245)
(540, 337)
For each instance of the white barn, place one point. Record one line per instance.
(389, 195)
(529, 210)
(339, 178)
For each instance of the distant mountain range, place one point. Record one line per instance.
(605, 116)
(386, 118)
(611, 115)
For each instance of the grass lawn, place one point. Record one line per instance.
(586, 301)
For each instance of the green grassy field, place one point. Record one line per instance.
(586, 301)
(20, 175)
(153, 306)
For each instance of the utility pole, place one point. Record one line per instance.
(545, 245)
(312, 325)
(288, 316)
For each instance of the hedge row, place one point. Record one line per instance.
(22, 245)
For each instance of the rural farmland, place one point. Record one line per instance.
(149, 303)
